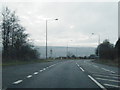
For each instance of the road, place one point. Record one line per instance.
(62, 74)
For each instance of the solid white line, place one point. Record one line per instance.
(82, 69)
(108, 80)
(115, 75)
(112, 85)
(112, 71)
(105, 69)
(108, 70)
(101, 86)
(29, 76)
(35, 73)
(105, 76)
(17, 82)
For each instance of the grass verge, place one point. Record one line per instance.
(108, 62)
(17, 62)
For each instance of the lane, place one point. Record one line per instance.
(14, 73)
(106, 75)
(104, 67)
(63, 75)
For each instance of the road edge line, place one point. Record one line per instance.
(101, 86)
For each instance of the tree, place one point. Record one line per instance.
(106, 50)
(14, 40)
(117, 48)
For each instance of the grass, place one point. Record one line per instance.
(108, 62)
(18, 62)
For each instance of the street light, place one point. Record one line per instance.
(67, 49)
(98, 43)
(46, 36)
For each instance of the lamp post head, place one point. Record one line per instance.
(56, 19)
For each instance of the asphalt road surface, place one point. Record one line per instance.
(62, 74)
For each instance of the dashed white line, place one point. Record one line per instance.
(35, 73)
(29, 76)
(82, 69)
(41, 70)
(17, 82)
(106, 76)
(50, 66)
(101, 86)
(77, 64)
(47, 67)
(44, 68)
(108, 80)
(112, 85)
(95, 66)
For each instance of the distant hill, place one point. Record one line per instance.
(62, 51)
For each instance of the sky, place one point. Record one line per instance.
(75, 25)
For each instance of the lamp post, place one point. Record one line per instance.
(46, 35)
(67, 49)
(98, 44)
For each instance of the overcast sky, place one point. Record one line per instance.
(77, 20)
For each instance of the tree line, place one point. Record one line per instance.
(14, 39)
(109, 51)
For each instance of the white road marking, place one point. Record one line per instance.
(77, 64)
(53, 64)
(115, 75)
(50, 66)
(44, 68)
(105, 76)
(82, 69)
(101, 86)
(112, 85)
(105, 69)
(108, 70)
(47, 67)
(95, 66)
(112, 71)
(29, 76)
(41, 70)
(35, 73)
(108, 80)
(17, 82)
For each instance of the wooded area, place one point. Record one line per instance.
(108, 51)
(14, 38)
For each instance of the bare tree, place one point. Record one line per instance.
(13, 38)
